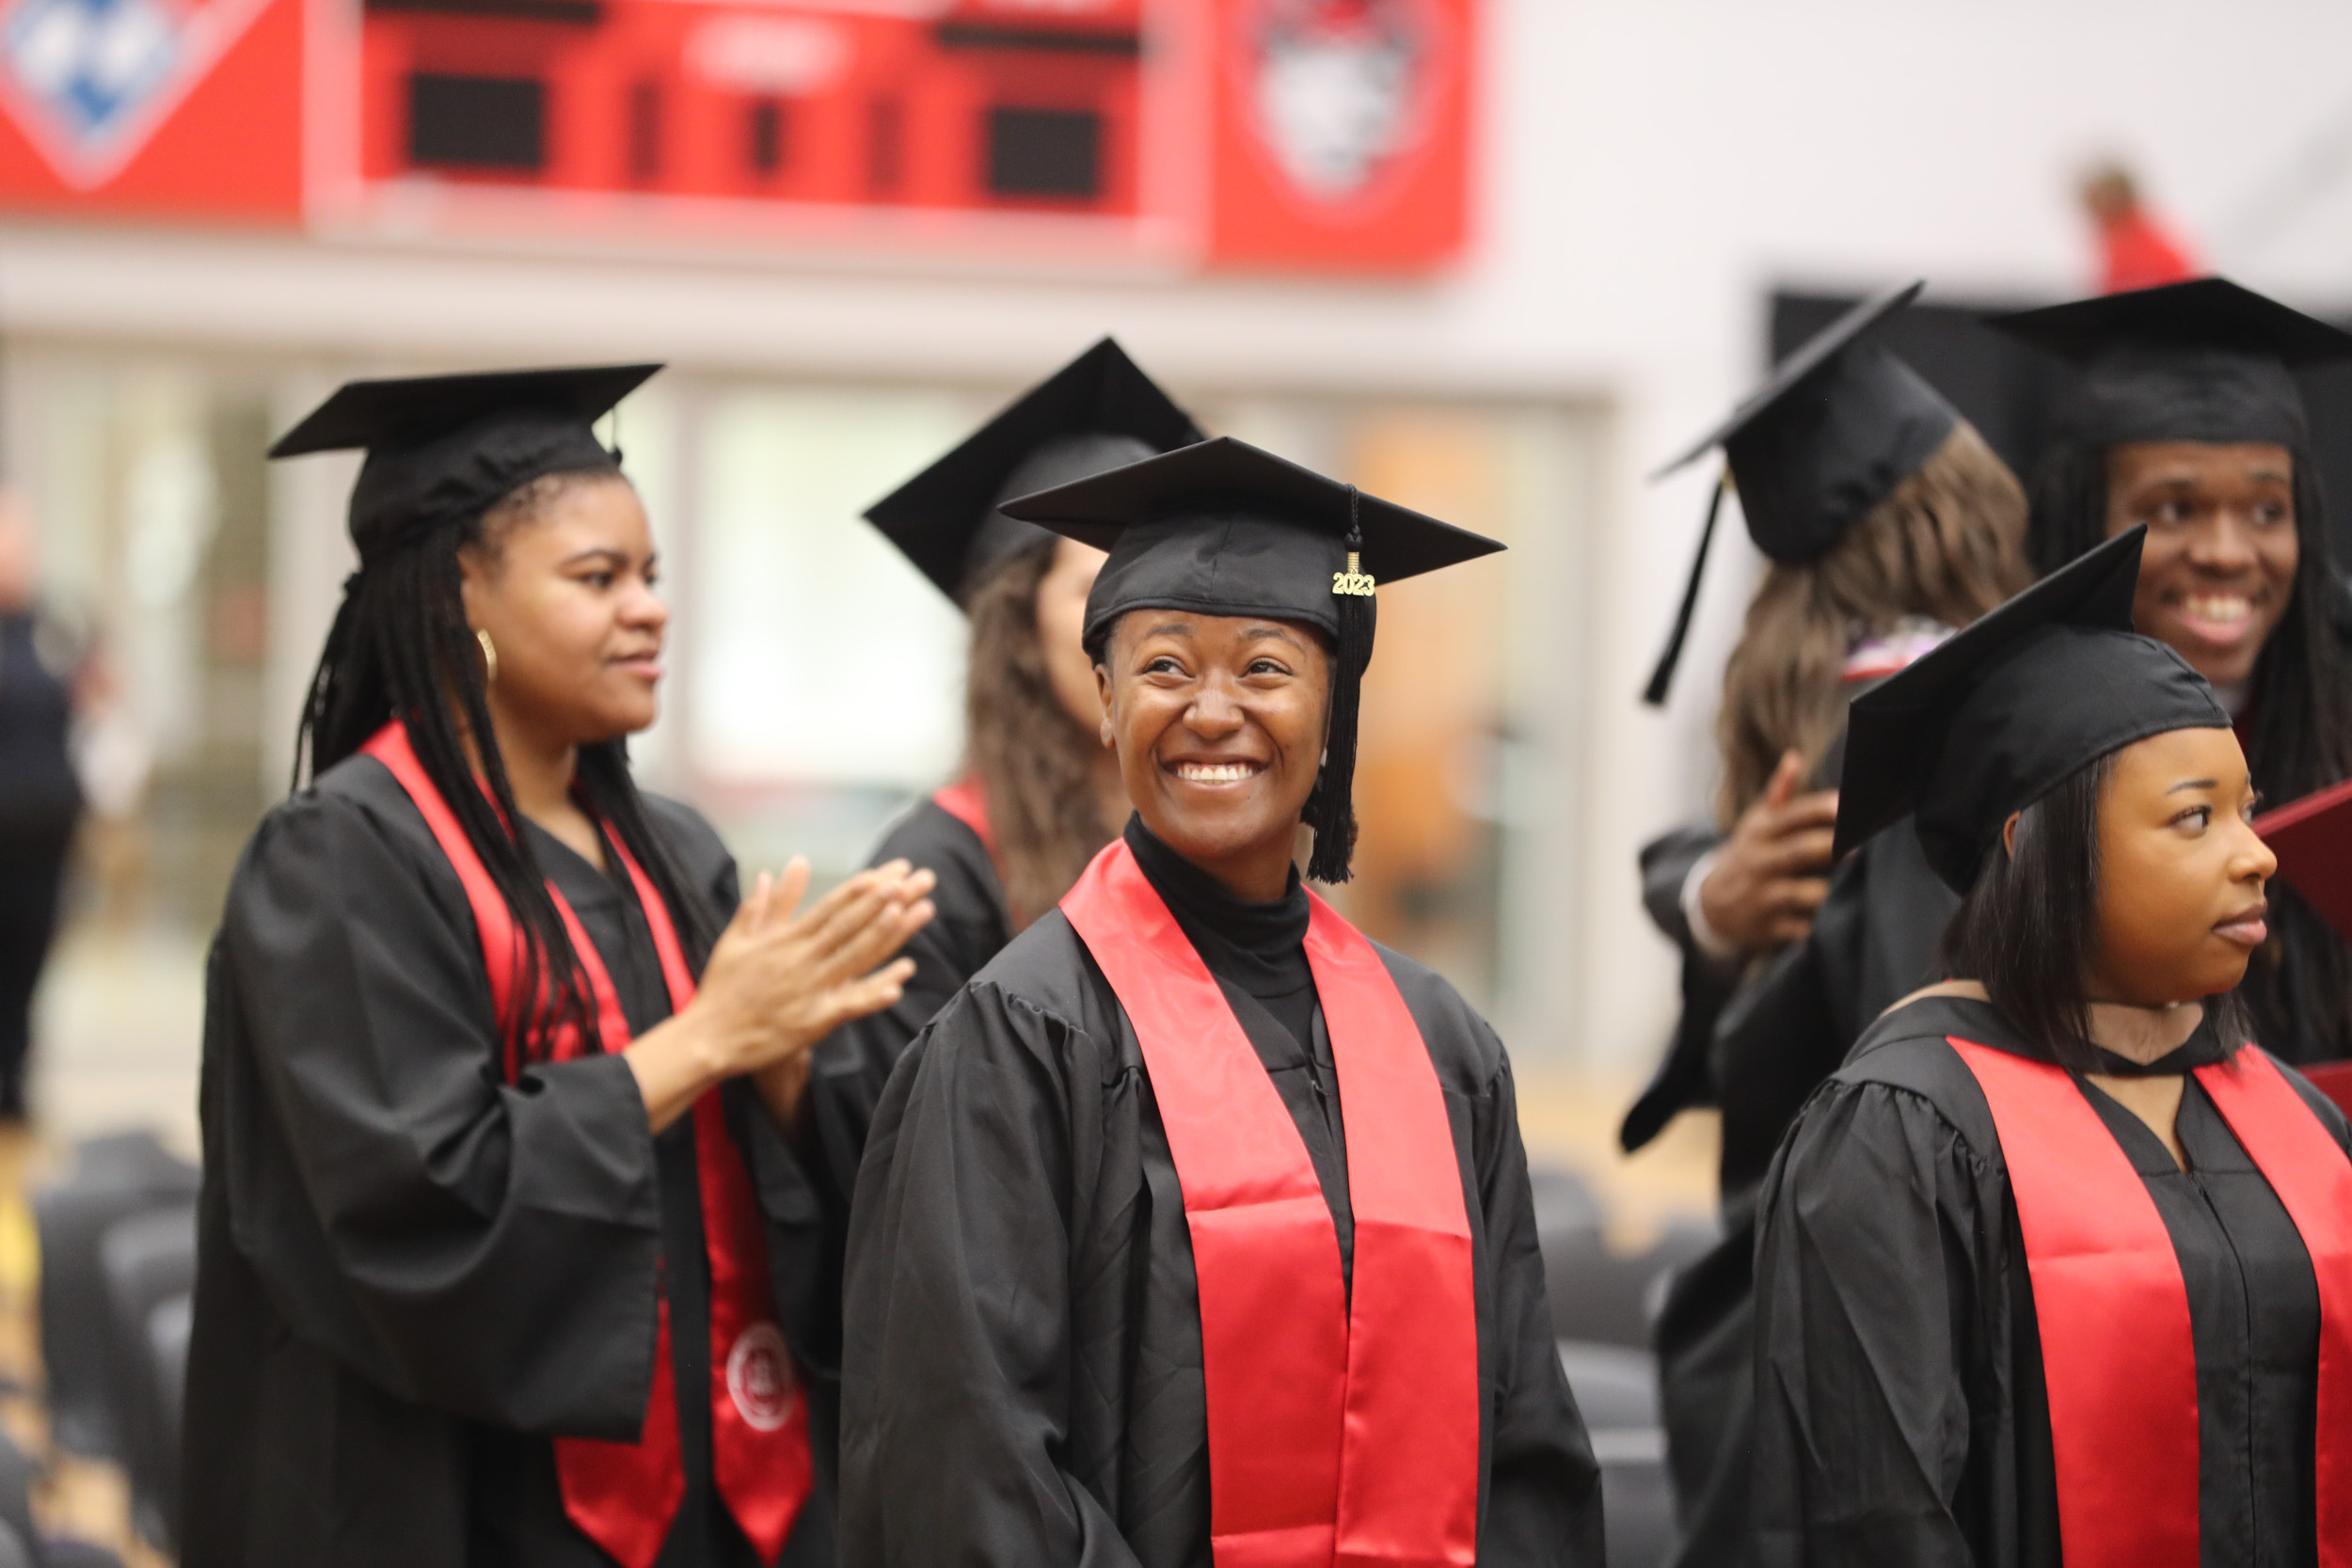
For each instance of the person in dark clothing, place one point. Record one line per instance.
(40, 798)
(1196, 1227)
(1038, 796)
(2057, 1266)
(2185, 416)
(1890, 523)
(511, 1247)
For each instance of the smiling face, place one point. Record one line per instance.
(1219, 722)
(2221, 552)
(2181, 873)
(566, 596)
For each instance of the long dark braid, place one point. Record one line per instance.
(2298, 734)
(399, 645)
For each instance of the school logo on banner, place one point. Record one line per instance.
(90, 81)
(1340, 88)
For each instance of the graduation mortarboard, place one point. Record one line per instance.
(1223, 528)
(2207, 360)
(444, 447)
(1837, 427)
(1100, 411)
(2009, 707)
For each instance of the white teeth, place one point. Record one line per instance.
(2221, 609)
(1216, 772)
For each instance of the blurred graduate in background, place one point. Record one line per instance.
(1196, 1227)
(1039, 793)
(2185, 416)
(1888, 523)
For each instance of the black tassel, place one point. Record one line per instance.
(1661, 678)
(1331, 809)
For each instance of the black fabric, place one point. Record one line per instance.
(445, 447)
(1024, 1382)
(32, 882)
(410, 1274)
(1680, 1080)
(1223, 528)
(2026, 695)
(1901, 1407)
(1099, 411)
(1873, 942)
(40, 802)
(2204, 360)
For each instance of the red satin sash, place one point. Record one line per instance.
(963, 801)
(2123, 1405)
(1340, 1433)
(625, 1495)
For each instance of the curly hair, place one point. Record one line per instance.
(1946, 544)
(1034, 761)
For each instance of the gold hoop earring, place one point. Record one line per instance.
(489, 657)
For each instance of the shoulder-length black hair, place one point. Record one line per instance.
(2297, 727)
(399, 645)
(2027, 931)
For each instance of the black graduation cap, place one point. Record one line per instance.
(1837, 426)
(2010, 706)
(1224, 528)
(1100, 411)
(441, 447)
(2204, 360)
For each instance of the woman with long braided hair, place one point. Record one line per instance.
(511, 1249)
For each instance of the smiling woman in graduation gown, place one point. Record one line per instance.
(1036, 796)
(506, 1251)
(2185, 412)
(1196, 1224)
(2059, 1267)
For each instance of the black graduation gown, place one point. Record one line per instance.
(411, 1274)
(1022, 1380)
(971, 927)
(1901, 1416)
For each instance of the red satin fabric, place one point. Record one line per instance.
(963, 801)
(2307, 1169)
(625, 1496)
(1337, 1435)
(2123, 1405)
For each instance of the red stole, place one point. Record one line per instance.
(624, 1495)
(963, 801)
(2113, 1310)
(1340, 1433)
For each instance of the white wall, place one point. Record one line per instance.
(1654, 167)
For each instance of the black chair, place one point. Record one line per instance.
(111, 1179)
(149, 1260)
(167, 1354)
(1616, 1392)
(1606, 1297)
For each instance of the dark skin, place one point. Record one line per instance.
(567, 599)
(1218, 723)
(1772, 871)
(2221, 553)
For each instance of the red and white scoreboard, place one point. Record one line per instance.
(1322, 136)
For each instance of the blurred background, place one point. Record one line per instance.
(1493, 259)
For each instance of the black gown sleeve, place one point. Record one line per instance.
(960, 1283)
(1543, 1501)
(1878, 1239)
(485, 1249)
(1681, 1080)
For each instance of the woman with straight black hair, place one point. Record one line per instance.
(2057, 1267)
(508, 1249)
(2187, 417)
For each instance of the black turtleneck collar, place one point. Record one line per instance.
(1268, 932)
